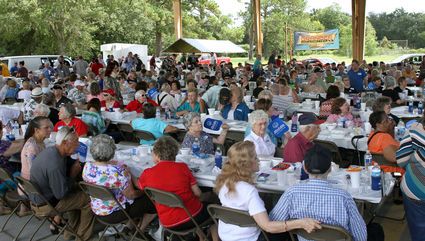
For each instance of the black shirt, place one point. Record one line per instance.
(393, 94)
(54, 116)
(63, 100)
(399, 90)
(257, 91)
(350, 90)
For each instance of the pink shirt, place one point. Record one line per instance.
(30, 150)
(333, 118)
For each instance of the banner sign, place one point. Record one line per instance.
(328, 39)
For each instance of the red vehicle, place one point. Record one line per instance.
(206, 59)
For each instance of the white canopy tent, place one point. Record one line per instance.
(187, 45)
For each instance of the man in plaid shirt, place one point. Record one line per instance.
(317, 199)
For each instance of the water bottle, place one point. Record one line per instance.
(357, 102)
(400, 130)
(420, 108)
(376, 178)
(341, 122)
(367, 160)
(167, 112)
(294, 126)
(158, 113)
(15, 129)
(196, 148)
(411, 106)
(218, 158)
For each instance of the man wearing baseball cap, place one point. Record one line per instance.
(77, 94)
(60, 99)
(317, 199)
(296, 147)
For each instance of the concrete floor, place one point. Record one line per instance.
(394, 230)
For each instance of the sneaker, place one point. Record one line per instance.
(157, 235)
(5, 210)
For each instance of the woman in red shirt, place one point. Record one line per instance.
(180, 182)
(109, 100)
(67, 118)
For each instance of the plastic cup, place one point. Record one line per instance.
(363, 106)
(308, 101)
(265, 164)
(355, 179)
(211, 111)
(102, 108)
(185, 151)
(282, 177)
(367, 128)
(316, 104)
(24, 129)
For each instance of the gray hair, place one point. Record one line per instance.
(166, 148)
(42, 110)
(139, 94)
(63, 134)
(257, 115)
(304, 128)
(70, 110)
(275, 89)
(265, 94)
(380, 103)
(102, 148)
(188, 118)
(389, 82)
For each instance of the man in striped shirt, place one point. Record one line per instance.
(317, 199)
(411, 157)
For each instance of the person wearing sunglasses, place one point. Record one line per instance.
(49, 172)
(109, 100)
(140, 99)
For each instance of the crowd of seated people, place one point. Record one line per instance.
(72, 104)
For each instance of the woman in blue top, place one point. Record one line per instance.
(191, 105)
(236, 109)
(150, 124)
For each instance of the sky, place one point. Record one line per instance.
(233, 7)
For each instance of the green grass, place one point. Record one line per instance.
(385, 58)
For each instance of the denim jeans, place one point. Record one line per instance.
(415, 213)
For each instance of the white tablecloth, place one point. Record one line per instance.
(206, 176)
(403, 112)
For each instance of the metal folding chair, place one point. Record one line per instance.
(174, 201)
(12, 198)
(127, 132)
(32, 189)
(104, 194)
(233, 216)
(327, 233)
(144, 135)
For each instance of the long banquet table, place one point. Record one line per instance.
(205, 174)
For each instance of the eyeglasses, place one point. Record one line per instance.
(143, 95)
(71, 130)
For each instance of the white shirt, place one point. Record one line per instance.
(168, 100)
(244, 198)
(263, 146)
(24, 94)
(231, 114)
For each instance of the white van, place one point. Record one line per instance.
(34, 62)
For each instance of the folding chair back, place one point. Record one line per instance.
(380, 159)
(126, 131)
(233, 216)
(144, 135)
(327, 233)
(97, 191)
(174, 201)
(105, 194)
(165, 198)
(32, 189)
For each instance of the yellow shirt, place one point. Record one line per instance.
(5, 71)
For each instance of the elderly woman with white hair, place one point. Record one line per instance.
(41, 110)
(67, 118)
(193, 123)
(390, 84)
(165, 99)
(262, 141)
(139, 99)
(108, 173)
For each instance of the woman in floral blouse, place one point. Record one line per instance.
(117, 178)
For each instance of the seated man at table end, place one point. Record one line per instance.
(150, 124)
(49, 172)
(296, 147)
(325, 203)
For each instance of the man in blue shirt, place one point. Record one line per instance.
(14, 69)
(358, 77)
(317, 199)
